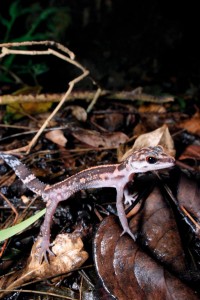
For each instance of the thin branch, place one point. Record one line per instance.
(43, 43)
(96, 96)
(87, 96)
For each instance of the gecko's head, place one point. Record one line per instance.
(150, 159)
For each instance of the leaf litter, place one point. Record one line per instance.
(164, 262)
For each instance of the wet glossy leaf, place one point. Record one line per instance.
(188, 196)
(128, 272)
(158, 231)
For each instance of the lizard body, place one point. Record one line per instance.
(115, 175)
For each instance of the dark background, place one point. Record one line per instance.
(123, 43)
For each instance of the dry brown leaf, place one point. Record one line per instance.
(152, 108)
(112, 121)
(191, 152)
(69, 255)
(160, 136)
(193, 124)
(78, 112)
(97, 139)
(56, 136)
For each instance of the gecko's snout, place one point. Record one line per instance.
(172, 160)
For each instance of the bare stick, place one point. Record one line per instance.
(87, 96)
(96, 96)
(45, 43)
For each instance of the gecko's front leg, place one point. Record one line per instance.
(121, 213)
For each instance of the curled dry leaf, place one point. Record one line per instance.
(160, 136)
(129, 273)
(69, 255)
(56, 136)
(78, 112)
(97, 139)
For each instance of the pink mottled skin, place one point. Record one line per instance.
(116, 176)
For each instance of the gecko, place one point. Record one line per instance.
(110, 175)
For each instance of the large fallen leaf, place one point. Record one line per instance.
(141, 269)
(129, 273)
(159, 233)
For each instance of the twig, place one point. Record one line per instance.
(46, 43)
(190, 217)
(11, 206)
(96, 96)
(87, 96)
(5, 292)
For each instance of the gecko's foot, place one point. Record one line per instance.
(129, 199)
(128, 231)
(44, 251)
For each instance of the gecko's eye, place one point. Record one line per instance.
(151, 159)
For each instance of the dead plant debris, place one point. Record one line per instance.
(101, 127)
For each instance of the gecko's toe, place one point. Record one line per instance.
(44, 251)
(133, 236)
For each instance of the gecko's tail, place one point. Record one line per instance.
(24, 174)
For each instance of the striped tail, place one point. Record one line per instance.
(24, 174)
